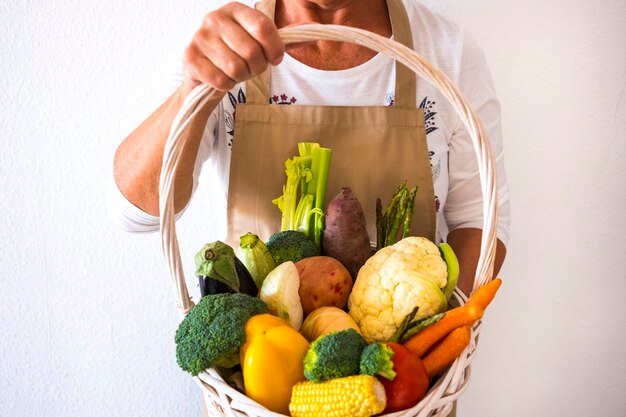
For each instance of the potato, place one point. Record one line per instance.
(324, 281)
(345, 234)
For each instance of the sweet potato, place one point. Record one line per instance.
(345, 233)
(324, 281)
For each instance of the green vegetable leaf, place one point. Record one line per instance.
(452, 265)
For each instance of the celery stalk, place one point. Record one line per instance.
(297, 171)
(303, 214)
(320, 168)
(303, 209)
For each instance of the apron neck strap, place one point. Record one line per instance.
(405, 78)
(257, 88)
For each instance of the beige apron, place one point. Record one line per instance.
(374, 149)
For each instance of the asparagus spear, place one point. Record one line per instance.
(408, 215)
(399, 211)
(398, 216)
(381, 229)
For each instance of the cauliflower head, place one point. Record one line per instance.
(393, 282)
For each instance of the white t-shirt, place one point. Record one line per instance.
(455, 169)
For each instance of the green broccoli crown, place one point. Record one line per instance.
(291, 245)
(377, 359)
(213, 331)
(334, 355)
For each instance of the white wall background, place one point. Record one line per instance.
(87, 312)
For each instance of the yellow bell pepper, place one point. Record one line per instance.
(271, 361)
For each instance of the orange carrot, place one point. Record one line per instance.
(460, 316)
(447, 350)
(483, 295)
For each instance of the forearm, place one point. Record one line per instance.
(466, 245)
(138, 159)
(233, 44)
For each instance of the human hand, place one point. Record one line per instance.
(233, 44)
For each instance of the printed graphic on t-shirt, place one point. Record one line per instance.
(230, 111)
(282, 99)
(426, 105)
(436, 167)
(430, 126)
(429, 115)
(389, 99)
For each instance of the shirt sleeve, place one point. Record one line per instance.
(125, 215)
(464, 206)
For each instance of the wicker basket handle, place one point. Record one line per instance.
(203, 94)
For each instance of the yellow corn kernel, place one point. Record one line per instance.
(351, 396)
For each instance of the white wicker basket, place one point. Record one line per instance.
(221, 398)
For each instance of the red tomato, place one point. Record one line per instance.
(411, 382)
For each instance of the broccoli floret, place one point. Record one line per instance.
(291, 245)
(377, 359)
(334, 355)
(213, 331)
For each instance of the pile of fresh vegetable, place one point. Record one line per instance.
(301, 322)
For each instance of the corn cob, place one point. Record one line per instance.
(352, 396)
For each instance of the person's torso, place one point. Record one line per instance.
(369, 84)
